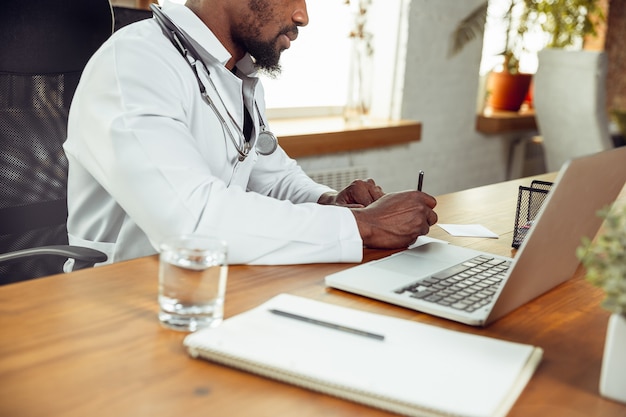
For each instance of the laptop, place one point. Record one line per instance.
(421, 277)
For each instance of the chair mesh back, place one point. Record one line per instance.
(33, 168)
(124, 16)
(44, 46)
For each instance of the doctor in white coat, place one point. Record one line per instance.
(167, 135)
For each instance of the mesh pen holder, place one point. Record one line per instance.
(529, 202)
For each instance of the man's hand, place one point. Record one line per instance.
(360, 193)
(396, 220)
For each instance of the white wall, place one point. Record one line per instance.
(440, 92)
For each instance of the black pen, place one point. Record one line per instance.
(420, 180)
(328, 324)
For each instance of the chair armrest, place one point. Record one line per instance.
(85, 257)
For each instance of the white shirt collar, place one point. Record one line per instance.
(203, 38)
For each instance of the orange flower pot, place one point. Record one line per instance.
(507, 91)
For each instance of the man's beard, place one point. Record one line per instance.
(266, 56)
(265, 53)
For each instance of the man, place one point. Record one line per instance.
(160, 144)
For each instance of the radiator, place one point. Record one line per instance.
(338, 178)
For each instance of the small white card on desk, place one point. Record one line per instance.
(422, 240)
(468, 230)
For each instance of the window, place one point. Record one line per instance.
(316, 67)
(494, 40)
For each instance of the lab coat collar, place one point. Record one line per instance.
(203, 38)
(214, 57)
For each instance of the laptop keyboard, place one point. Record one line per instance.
(466, 286)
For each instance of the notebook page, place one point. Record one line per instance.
(430, 367)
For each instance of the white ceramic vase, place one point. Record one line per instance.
(569, 97)
(613, 375)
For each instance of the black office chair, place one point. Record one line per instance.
(124, 16)
(44, 46)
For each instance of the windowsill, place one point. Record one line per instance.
(326, 135)
(496, 121)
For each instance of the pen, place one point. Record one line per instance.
(328, 324)
(420, 180)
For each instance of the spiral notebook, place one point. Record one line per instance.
(397, 365)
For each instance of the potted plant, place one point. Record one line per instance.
(565, 22)
(506, 86)
(605, 262)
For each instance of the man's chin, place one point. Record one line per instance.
(270, 71)
(270, 67)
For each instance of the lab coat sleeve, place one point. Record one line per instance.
(279, 176)
(130, 129)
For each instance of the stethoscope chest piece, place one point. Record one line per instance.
(266, 143)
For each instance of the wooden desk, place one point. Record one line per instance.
(89, 344)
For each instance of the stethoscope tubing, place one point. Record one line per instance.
(268, 142)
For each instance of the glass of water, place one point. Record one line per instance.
(193, 271)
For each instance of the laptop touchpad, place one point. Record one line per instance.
(414, 265)
(424, 260)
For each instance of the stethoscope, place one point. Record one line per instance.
(266, 142)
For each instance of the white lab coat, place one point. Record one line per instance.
(148, 159)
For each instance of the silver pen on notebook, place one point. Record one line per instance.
(327, 324)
